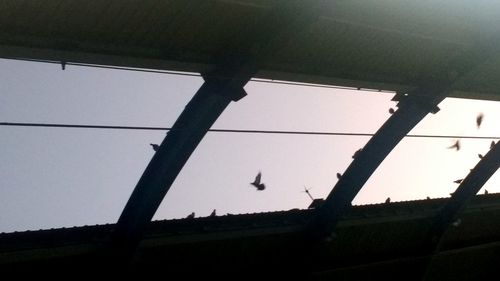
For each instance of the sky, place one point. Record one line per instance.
(64, 177)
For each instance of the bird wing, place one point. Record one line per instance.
(257, 178)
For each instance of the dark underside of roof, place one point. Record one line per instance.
(384, 241)
(426, 49)
(388, 45)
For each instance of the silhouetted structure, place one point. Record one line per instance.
(323, 42)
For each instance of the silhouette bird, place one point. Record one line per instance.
(155, 146)
(356, 154)
(391, 110)
(308, 193)
(191, 216)
(485, 191)
(479, 119)
(456, 145)
(213, 214)
(492, 144)
(480, 156)
(63, 65)
(339, 175)
(458, 181)
(260, 186)
(428, 198)
(388, 200)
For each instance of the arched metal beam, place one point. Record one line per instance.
(412, 109)
(221, 86)
(469, 187)
(191, 126)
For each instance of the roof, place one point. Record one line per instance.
(368, 233)
(388, 45)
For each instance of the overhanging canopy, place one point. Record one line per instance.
(389, 45)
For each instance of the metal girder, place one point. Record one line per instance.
(191, 126)
(469, 187)
(412, 110)
(221, 86)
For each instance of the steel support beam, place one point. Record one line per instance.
(412, 110)
(469, 187)
(189, 129)
(221, 86)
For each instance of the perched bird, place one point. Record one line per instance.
(213, 214)
(492, 144)
(480, 156)
(391, 110)
(458, 181)
(428, 198)
(456, 145)
(191, 216)
(260, 186)
(388, 200)
(339, 175)
(63, 65)
(479, 119)
(155, 146)
(356, 153)
(485, 191)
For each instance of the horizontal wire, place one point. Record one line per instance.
(191, 74)
(234, 131)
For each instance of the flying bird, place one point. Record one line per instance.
(458, 181)
(479, 119)
(155, 146)
(260, 186)
(213, 214)
(456, 145)
(388, 200)
(190, 216)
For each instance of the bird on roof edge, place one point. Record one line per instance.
(260, 186)
(213, 214)
(190, 216)
(388, 200)
(458, 181)
(356, 153)
(155, 146)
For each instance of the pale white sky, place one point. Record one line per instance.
(51, 177)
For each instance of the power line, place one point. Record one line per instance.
(75, 126)
(192, 74)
